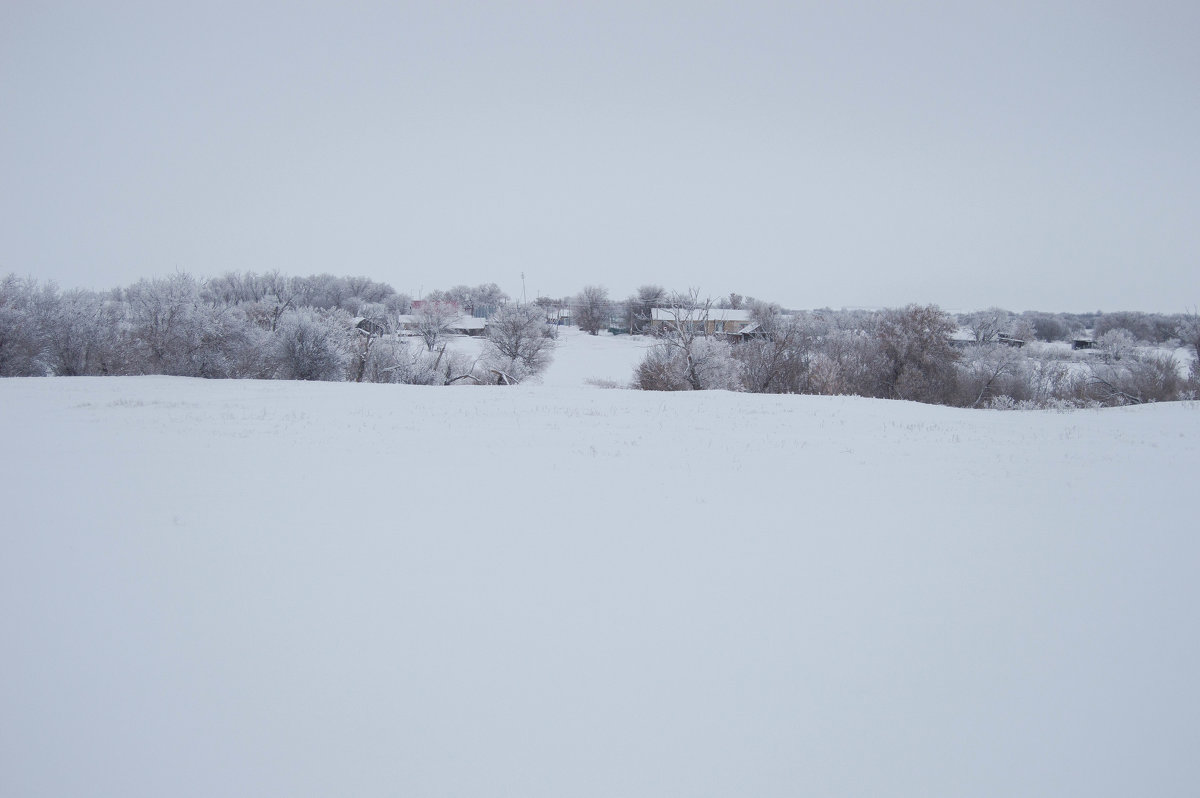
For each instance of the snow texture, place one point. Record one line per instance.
(289, 589)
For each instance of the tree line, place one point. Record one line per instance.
(326, 327)
(921, 353)
(918, 352)
(260, 326)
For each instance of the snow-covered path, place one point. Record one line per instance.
(269, 588)
(582, 359)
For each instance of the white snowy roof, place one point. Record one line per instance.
(467, 323)
(712, 314)
(461, 323)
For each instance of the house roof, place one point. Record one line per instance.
(467, 323)
(712, 314)
(460, 323)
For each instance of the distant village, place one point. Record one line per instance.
(326, 327)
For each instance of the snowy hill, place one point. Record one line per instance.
(283, 589)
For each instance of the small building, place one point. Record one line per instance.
(468, 325)
(410, 324)
(713, 321)
(963, 337)
(407, 324)
(1083, 342)
(1008, 340)
(751, 330)
(370, 327)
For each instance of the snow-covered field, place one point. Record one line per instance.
(280, 589)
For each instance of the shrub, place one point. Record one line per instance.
(310, 345)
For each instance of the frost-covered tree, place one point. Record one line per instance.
(915, 342)
(849, 362)
(1149, 327)
(1021, 329)
(591, 309)
(684, 326)
(685, 358)
(433, 320)
(1136, 378)
(395, 306)
(1116, 343)
(778, 360)
(173, 327)
(82, 336)
(274, 295)
(1049, 327)
(714, 365)
(989, 371)
(662, 370)
(707, 364)
(393, 360)
(480, 300)
(236, 288)
(310, 345)
(640, 305)
(987, 325)
(1187, 330)
(230, 345)
(327, 291)
(21, 344)
(364, 291)
(519, 344)
(167, 320)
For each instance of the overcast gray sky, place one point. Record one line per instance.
(1029, 155)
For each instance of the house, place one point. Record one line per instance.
(1008, 340)
(751, 330)
(407, 325)
(769, 328)
(468, 325)
(460, 325)
(372, 328)
(964, 337)
(710, 321)
(1083, 342)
